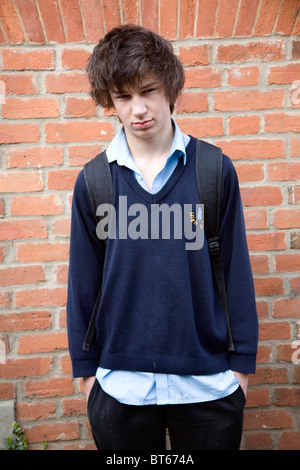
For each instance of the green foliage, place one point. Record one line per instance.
(19, 443)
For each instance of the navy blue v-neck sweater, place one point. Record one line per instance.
(160, 310)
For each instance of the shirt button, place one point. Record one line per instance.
(140, 178)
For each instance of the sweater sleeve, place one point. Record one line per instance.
(84, 280)
(238, 274)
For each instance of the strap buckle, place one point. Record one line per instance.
(214, 248)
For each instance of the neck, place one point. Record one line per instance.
(150, 149)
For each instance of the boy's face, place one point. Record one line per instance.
(144, 110)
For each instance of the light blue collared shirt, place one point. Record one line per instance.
(145, 388)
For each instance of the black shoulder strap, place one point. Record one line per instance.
(209, 162)
(98, 179)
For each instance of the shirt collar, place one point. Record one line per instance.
(118, 149)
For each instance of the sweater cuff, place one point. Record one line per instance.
(242, 363)
(86, 368)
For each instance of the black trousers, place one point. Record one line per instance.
(213, 425)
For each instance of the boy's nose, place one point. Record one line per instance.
(138, 106)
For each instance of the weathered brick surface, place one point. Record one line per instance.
(242, 92)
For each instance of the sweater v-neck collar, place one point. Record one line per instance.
(157, 197)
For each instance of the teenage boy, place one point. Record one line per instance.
(160, 357)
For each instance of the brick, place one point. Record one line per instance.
(43, 342)
(187, 18)
(19, 275)
(52, 21)
(264, 354)
(296, 50)
(30, 19)
(202, 127)
(36, 157)
(37, 320)
(51, 387)
(21, 229)
(74, 406)
(284, 171)
(287, 396)
(261, 196)
(168, 19)
(5, 299)
(93, 20)
(289, 440)
(248, 100)
(149, 14)
(130, 10)
(66, 82)
(75, 58)
(268, 286)
(264, 51)
(286, 17)
(256, 219)
(258, 441)
(246, 18)
(19, 133)
(7, 391)
(284, 352)
(269, 375)
(72, 20)
(112, 13)
(207, 77)
(293, 194)
(259, 397)
(46, 251)
(266, 19)
(62, 227)
(283, 74)
(286, 218)
(10, 22)
(20, 182)
(250, 172)
(35, 411)
(80, 107)
(287, 262)
(243, 76)
(226, 17)
(271, 331)
(244, 125)
(52, 432)
(206, 18)
(24, 59)
(253, 148)
(286, 308)
(61, 273)
(295, 147)
(78, 131)
(267, 419)
(81, 154)
(30, 108)
(266, 241)
(62, 179)
(194, 55)
(295, 240)
(280, 122)
(21, 83)
(29, 367)
(41, 297)
(36, 205)
(192, 103)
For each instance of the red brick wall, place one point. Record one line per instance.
(242, 61)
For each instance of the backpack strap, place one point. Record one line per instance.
(209, 160)
(98, 180)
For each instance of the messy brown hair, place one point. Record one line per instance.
(125, 56)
